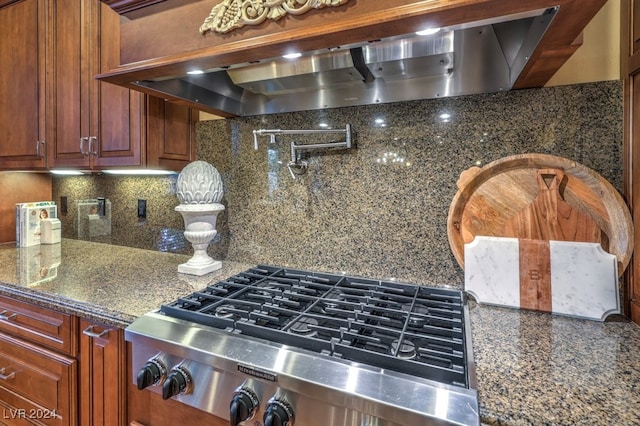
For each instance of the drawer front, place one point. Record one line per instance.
(36, 385)
(48, 328)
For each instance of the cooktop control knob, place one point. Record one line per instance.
(278, 413)
(178, 382)
(244, 405)
(152, 373)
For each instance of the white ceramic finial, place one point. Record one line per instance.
(199, 183)
(199, 190)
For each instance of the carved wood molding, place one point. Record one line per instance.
(233, 14)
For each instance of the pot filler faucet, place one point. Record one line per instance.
(298, 166)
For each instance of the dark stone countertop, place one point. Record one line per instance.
(532, 368)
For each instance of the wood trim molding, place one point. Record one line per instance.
(126, 6)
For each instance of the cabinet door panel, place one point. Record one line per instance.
(119, 127)
(22, 55)
(102, 375)
(51, 329)
(170, 134)
(118, 112)
(38, 383)
(72, 39)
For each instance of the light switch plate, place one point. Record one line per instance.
(142, 209)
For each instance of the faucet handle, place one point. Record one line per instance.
(271, 133)
(255, 140)
(298, 168)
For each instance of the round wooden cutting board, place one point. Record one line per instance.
(489, 198)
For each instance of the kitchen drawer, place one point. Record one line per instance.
(37, 386)
(47, 328)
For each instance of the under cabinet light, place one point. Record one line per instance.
(139, 172)
(427, 31)
(195, 72)
(66, 172)
(292, 55)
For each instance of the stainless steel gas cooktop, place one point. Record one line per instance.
(280, 346)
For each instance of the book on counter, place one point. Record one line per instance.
(28, 216)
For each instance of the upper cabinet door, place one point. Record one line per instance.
(97, 124)
(74, 38)
(171, 139)
(117, 117)
(23, 142)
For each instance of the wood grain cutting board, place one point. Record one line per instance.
(539, 196)
(561, 277)
(549, 217)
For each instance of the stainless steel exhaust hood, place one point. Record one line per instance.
(480, 57)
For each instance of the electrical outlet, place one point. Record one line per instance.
(142, 209)
(102, 206)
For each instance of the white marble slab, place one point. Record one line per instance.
(492, 270)
(584, 278)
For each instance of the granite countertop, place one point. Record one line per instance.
(531, 368)
(110, 284)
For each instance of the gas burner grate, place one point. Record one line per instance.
(395, 326)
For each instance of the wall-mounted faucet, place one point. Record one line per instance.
(297, 166)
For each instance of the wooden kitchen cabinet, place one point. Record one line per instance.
(23, 54)
(101, 125)
(38, 369)
(37, 386)
(171, 138)
(630, 73)
(102, 359)
(96, 124)
(41, 326)
(55, 114)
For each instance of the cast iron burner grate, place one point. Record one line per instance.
(401, 327)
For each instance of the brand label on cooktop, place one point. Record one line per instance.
(260, 374)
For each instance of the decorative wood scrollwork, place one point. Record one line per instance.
(231, 14)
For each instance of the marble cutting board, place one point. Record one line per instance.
(563, 277)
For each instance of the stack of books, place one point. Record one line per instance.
(28, 216)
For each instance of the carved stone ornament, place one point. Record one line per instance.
(232, 14)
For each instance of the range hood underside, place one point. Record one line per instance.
(476, 58)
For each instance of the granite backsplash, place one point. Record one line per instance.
(379, 209)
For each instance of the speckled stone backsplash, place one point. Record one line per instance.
(379, 209)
